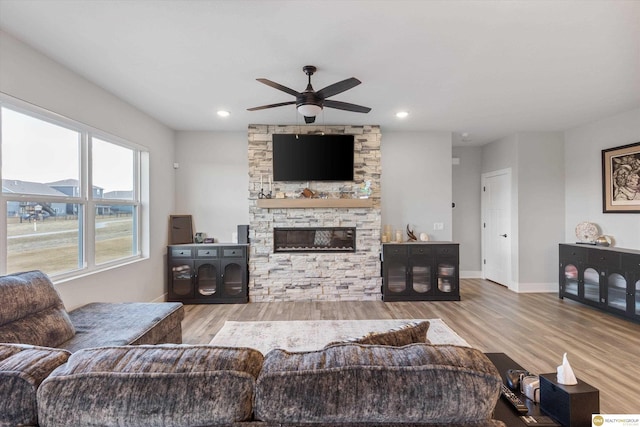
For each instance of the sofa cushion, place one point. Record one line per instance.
(413, 332)
(417, 383)
(145, 385)
(22, 369)
(32, 311)
(130, 323)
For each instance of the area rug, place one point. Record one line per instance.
(304, 335)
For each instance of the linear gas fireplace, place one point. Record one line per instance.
(314, 239)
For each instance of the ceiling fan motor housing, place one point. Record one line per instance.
(308, 98)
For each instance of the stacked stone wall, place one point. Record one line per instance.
(314, 276)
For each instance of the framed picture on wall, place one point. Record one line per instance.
(621, 179)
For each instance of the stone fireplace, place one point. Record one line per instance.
(335, 254)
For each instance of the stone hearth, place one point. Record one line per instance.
(318, 275)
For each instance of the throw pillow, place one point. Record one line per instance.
(413, 332)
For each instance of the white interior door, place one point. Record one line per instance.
(496, 226)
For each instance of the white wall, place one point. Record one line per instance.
(212, 181)
(466, 214)
(536, 160)
(35, 78)
(540, 209)
(583, 185)
(416, 186)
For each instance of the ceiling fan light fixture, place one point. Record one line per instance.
(223, 113)
(402, 114)
(309, 110)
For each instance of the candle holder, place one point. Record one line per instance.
(262, 195)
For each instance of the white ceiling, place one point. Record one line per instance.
(489, 68)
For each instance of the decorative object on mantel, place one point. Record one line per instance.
(587, 233)
(412, 237)
(262, 194)
(424, 237)
(307, 193)
(364, 191)
(604, 240)
(398, 236)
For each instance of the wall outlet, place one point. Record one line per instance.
(438, 226)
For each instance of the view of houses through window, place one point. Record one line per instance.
(70, 194)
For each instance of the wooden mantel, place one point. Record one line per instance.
(314, 203)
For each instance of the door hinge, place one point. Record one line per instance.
(484, 261)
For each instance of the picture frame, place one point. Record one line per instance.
(180, 229)
(621, 179)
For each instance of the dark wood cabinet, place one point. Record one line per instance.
(602, 277)
(208, 273)
(422, 271)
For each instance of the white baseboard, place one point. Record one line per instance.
(161, 298)
(530, 288)
(471, 274)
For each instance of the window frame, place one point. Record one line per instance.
(85, 200)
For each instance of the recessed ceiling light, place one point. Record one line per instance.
(402, 114)
(223, 113)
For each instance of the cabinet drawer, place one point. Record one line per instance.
(233, 252)
(208, 253)
(573, 254)
(603, 258)
(390, 250)
(184, 252)
(419, 250)
(447, 250)
(631, 262)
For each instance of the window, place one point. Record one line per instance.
(70, 194)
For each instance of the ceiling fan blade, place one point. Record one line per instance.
(308, 119)
(271, 106)
(279, 87)
(337, 88)
(345, 106)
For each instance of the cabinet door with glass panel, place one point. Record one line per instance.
(571, 262)
(395, 271)
(420, 278)
(447, 270)
(234, 271)
(631, 264)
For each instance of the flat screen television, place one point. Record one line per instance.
(312, 157)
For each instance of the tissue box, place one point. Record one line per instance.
(570, 405)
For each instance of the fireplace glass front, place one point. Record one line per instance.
(314, 239)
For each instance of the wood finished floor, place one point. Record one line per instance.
(533, 329)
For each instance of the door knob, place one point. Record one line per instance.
(504, 235)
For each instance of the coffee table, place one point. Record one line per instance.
(504, 411)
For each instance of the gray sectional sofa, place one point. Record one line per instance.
(343, 384)
(39, 334)
(33, 313)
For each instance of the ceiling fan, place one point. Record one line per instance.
(309, 103)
